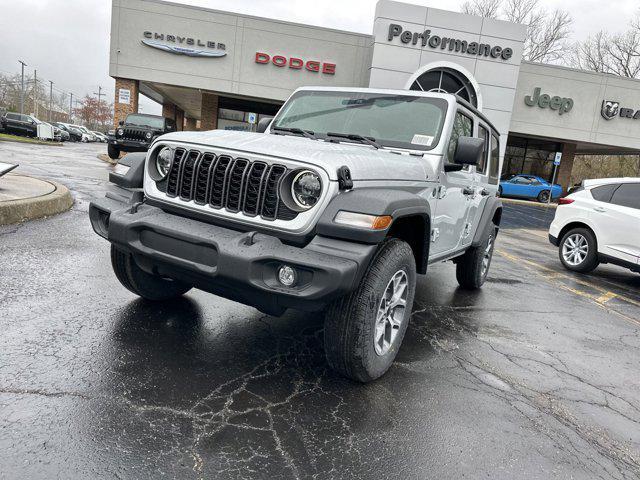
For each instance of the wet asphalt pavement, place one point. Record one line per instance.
(535, 376)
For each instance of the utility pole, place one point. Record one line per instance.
(99, 94)
(50, 98)
(22, 90)
(71, 108)
(35, 93)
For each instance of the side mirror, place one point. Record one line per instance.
(469, 151)
(121, 122)
(263, 124)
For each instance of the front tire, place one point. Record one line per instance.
(113, 152)
(473, 267)
(143, 284)
(578, 250)
(364, 329)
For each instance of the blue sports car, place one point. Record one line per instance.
(528, 186)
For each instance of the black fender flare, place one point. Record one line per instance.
(492, 205)
(397, 203)
(134, 177)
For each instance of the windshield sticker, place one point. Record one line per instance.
(425, 140)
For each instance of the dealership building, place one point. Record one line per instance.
(213, 69)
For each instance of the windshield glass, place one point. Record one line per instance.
(402, 121)
(143, 121)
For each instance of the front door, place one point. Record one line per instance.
(454, 196)
(617, 222)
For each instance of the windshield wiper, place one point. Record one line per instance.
(358, 138)
(296, 131)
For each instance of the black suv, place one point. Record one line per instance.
(137, 133)
(19, 124)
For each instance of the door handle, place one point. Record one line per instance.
(599, 209)
(484, 192)
(469, 191)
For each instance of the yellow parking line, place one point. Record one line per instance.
(550, 274)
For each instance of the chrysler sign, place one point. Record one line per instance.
(184, 45)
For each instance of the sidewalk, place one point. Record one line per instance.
(25, 198)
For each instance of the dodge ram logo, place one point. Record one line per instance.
(610, 109)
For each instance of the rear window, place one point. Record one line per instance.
(627, 195)
(604, 192)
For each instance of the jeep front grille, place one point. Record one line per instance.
(235, 184)
(134, 134)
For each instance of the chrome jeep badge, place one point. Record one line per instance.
(609, 109)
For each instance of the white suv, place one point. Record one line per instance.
(599, 223)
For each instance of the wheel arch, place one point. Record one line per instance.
(576, 224)
(415, 230)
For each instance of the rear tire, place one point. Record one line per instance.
(578, 250)
(114, 152)
(143, 284)
(364, 329)
(473, 267)
(543, 196)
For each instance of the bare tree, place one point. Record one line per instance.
(482, 8)
(547, 33)
(617, 54)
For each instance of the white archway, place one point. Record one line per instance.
(445, 65)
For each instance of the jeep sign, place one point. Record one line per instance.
(562, 105)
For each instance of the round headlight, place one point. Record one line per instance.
(163, 161)
(148, 135)
(306, 189)
(120, 132)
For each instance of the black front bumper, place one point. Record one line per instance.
(241, 266)
(130, 145)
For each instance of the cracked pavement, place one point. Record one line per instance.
(534, 376)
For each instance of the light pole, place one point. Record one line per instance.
(50, 98)
(99, 95)
(22, 90)
(71, 108)
(35, 93)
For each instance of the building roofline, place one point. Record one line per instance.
(256, 17)
(579, 70)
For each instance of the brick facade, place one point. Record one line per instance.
(121, 110)
(190, 124)
(566, 165)
(209, 111)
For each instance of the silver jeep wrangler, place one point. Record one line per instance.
(336, 205)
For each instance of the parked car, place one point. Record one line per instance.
(19, 124)
(334, 212)
(137, 132)
(86, 135)
(529, 187)
(74, 133)
(599, 222)
(102, 138)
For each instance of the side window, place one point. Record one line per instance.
(604, 192)
(13, 116)
(462, 127)
(627, 195)
(494, 166)
(484, 134)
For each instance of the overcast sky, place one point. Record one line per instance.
(67, 41)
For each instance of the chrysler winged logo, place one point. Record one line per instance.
(610, 109)
(190, 52)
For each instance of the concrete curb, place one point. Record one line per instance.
(529, 203)
(31, 142)
(17, 211)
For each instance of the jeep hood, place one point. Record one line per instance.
(364, 161)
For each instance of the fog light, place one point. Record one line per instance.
(287, 276)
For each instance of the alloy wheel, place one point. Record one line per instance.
(391, 312)
(486, 258)
(575, 249)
